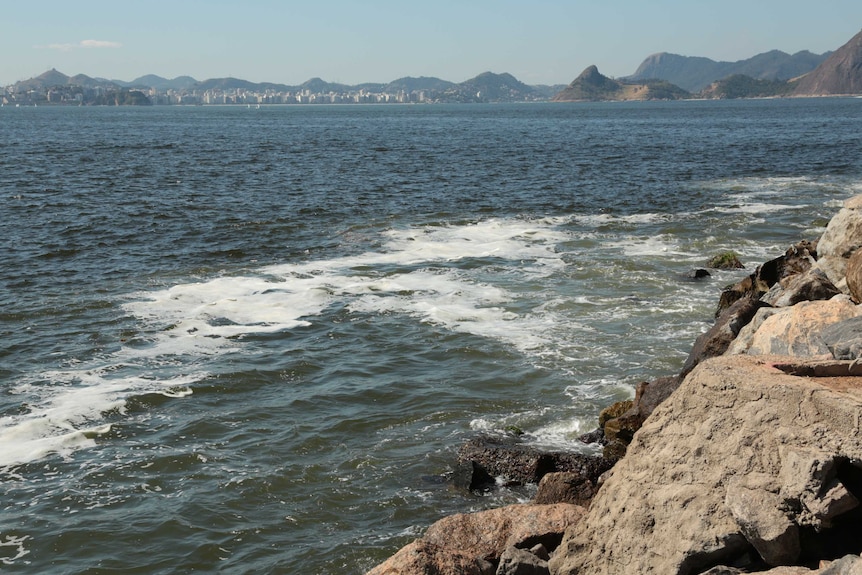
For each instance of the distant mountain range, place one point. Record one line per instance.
(694, 73)
(486, 87)
(661, 76)
(770, 74)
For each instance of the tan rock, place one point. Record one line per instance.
(470, 543)
(663, 510)
(853, 275)
(842, 237)
(488, 533)
(795, 330)
(421, 557)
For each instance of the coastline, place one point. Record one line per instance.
(814, 288)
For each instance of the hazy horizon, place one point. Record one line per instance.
(546, 42)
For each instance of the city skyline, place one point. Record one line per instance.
(545, 42)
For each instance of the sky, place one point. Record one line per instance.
(351, 42)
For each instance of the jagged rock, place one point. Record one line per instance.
(806, 286)
(516, 561)
(757, 511)
(473, 543)
(797, 259)
(472, 476)
(717, 339)
(663, 509)
(619, 431)
(809, 479)
(724, 570)
(853, 275)
(796, 330)
(842, 237)
(613, 411)
(540, 551)
(847, 565)
(520, 463)
(565, 487)
(487, 534)
(421, 557)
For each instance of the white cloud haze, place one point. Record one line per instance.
(84, 44)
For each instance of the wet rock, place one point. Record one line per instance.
(697, 274)
(565, 487)
(595, 436)
(717, 339)
(725, 261)
(472, 476)
(518, 463)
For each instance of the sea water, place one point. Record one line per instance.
(252, 340)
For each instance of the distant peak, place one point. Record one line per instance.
(590, 71)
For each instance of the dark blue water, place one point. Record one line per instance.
(251, 341)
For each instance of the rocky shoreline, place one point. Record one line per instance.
(747, 461)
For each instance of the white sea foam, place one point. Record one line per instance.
(187, 323)
(17, 545)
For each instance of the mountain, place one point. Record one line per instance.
(491, 87)
(742, 86)
(696, 73)
(159, 83)
(840, 74)
(52, 78)
(409, 84)
(592, 86)
(318, 86)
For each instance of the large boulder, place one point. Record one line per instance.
(473, 543)
(794, 330)
(673, 505)
(519, 463)
(487, 534)
(423, 558)
(842, 237)
(805, 286)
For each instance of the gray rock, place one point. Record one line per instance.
(844, 339)
(847, 565)
(516, 561)
(722, 570)
(810, 285)
(540, 551)
(768, 529)
(663, 510)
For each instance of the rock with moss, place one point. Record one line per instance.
(728, 260)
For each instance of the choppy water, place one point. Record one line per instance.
(251, 341)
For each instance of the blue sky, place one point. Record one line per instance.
(539, 42)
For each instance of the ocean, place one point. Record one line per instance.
(252, 340)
